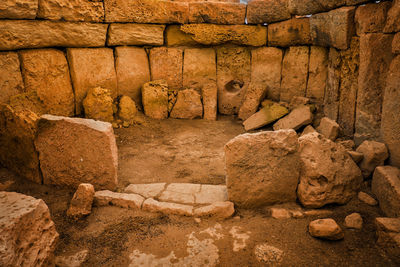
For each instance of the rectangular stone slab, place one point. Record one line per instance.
(135, 34)
(71, 10)
(10, 76)
(216, 12)
(18, 9)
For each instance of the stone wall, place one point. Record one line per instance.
(339, 53)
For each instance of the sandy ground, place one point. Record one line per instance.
(192, 151)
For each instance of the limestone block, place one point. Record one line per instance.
(166, 64)
(90, 68)
(74, 151)
(98, 105)
(155, 99)
(28, 234)
(267, 11)
(329, 128)
(216, 210)
(262, 168)
(81, 203)
(325, 229)
(188, 105)
(308, 7)
(375, 154)
(300, 116)
(353, 221)
(10, 76)
(393, 18)
(122, 200)
(289, 33)
(135, 34)
(146, 190)
(265, 116)
(308, 129)
(317, 73)
(152, 205)
(46, 72)
(332, 96)
(18, 9)
(217, 12)
(180, 193)
(388, 232)
(174, 36)
(71, 10)
(371, 17)
(211, 193)
(386, 188)
(19, 34)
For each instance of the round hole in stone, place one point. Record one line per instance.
(234, 86)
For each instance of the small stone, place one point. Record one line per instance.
(364, 197)
(197, 220)
(188, 105)
(299, 117)
(126, 124)
(278, 213)
(329, 128)
(155, 99)
(75, 260)
(265, 116)
(325, 229)
(269, 255)
(127, 109)
(216, 210)
(308, 129)
(152, 205)
(98, 105)
(81, 203)
(123, 200)
(297, 214)
(375, 154)
(356, 156)
(146, 190)
(354, 221)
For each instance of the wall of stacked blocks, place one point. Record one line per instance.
(342, 54)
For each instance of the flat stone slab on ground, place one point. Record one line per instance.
(180, 193)
(146, 190)
(211, 193)
(123, 200)
(216, 210)
(299, 117)
(152, 205)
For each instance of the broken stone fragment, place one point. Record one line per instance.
(386, 188)
(375, 154)
(155, 99)
(98, 105)
(364, 197)
(127, 109)
(329, 128)
(297, 118)
(152, 205)
(81, 203)
(325, 229)
(188, 105)
(122, 200)
(265, 116)
(216, 210)
(354, 221)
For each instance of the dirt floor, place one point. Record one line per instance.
(192, 151)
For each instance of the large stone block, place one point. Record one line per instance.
(200, 73)
(390, 127)
(262, 168)
(188, 105)
(386, 188)
(28, 235)
(19, 34)
(133, 70)
(371, 17)
(266, 66)
(166, 64)
(289, 33)
(146, 11)
(265, 116)
(217, 12)
(17, 151)
(393, 18)
(135, 34)
(10, 76)
(297, 118)
(211, 34)
(309, 7)
(334, 28)
(317, 73)
(18, 9)
(328, 174)
(294, 73)
(267, 11)
(46, 72)
(233, 77)
(332, 97)
(375, 58)
(155, 99)
(174, 36)
(90, 68)
(74, 151)
(71, 10)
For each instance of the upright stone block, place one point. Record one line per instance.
(18, 9)
(135, 34)
(317, 73)
(309, 7)
(10, 76)
(332, 96)
(289, 33)
(166, 64)
(393, 18)
(71, 10)
(386, 187)
(155, 99)
(371, 17)
(188, 105)
(217, 12)
(267, 11)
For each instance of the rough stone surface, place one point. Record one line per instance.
(328, 174)
(332, 96)
(289, 33)
(308, 129)
(10, 76)
(167, 208)
(211, 194)
(386, 188)
(17, 151)
(268, 254)
(18, 9)
(180, 193)
(329, 128)
(146, 11)
(211, 34)
(233, 77)
(262, 168)
(265, 116)
(297, 118)
(349, 144)
(146, 190)
(70, 150)
(396, 44)
(375, 58)
(19, 34)
(126, 109)
(371, 17)
(307, 7)
(216, 210)
(266, 66)
(122, 200)
(135, 34)
(325, 229)
(393, 17)
(133, 70)
(375, 154)
(75, 260)
(98, 104)
(294, 73)
(364, 197)
(388, 232)
(353, 221)
(174, 36)
(166, 64)
(390, 127)
(90, 68)
(46, 72)
(334, 28)
(28, 234)
(81, 203)
(356, 156)
(155, 99)
(71, 10)
(217, 12)
(317, 73)
(267, 11)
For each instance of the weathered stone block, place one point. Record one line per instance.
(262, 168)
(216, 210)
(10, 76)
(396, 44)
(155, 99)
(329, 128)
(300, 116)
(126, 110)
(71, 10)
(19, 34)
(132, 67)
(146, 190)
(332, 96)
(122, 200)
(375, 154)
(188, 105)
(317, 73)
(393, 18)
(28, 234)
(371, 17)
(166, 64)
(98, 105)
(81, 202)
(46, 72)
(135, 34)
(386, 188)
(18, 9)
(388, 232)
(217, 12)
(90, 68)
(325, 229)
(334, 28)
(146, 11)
(309, 7)
(353, 221)
(265, 116)
(289, 33)
(294, 73)
(211, 194)
(71, 150)
(167, 208)
(174, 36)
(267, 11)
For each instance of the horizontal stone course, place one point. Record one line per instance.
(215, 12)
(18, 9)
(135, 34)
(71, 10)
